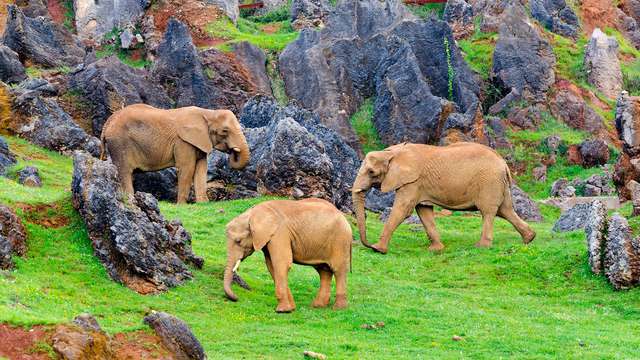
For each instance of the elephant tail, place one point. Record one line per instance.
(508, 174)
(103, 148)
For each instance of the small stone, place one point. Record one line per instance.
(29, 176)
(126, 39)
(314, 355)
(175, 335)
(456, 338)
(540, 173)
(380, 324)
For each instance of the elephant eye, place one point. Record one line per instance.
(371, 172)
(237, 241)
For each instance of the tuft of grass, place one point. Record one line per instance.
(362, 122)
(570, 58)
(41, 347)
(280, 14)
(478, 52)
(69, 15)
(427, 10)
(250, 31)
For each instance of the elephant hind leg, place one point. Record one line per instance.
(427, 218)
(488, 215)
(507, 212)
(341, 289)
(125, 172)
(324, 293)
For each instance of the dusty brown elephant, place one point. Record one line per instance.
(462, 176)
(308, 232)
(141, 137)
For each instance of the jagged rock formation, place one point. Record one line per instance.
(372, 48)
(94, 19)
(523, 59)
(459, 15)
(526, 208)
(7, 158)
(40, 40)
(134, 242)
(596, 225)
(13, 237)
(602, 65)
(254, 61)
(627, 167)
(566, 104)
(556, 16)
(621, 254)
(309, 13)
(573, 219)
(11, 70)
(175, 335)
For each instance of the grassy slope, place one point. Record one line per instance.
(511, 300)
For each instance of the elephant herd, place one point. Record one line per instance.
(462, 176)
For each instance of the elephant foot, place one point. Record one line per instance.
(285, 308)
(341, 302)
(320, 303)
(529, 237)
(379, 249)
(436, 247)
(483, 243)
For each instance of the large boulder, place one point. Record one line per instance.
(94, 19)
(557, 16)
(254, 60)
(7, 158)
(292, 154)
(523, 59)
(567, 104)
(595, 228)
(40, 40)
(526, 208)
(602, 65)
(628, 122)
(492, 12)
(29, 176)
(179, 70)
(573, 219)
(594, 152)
(11, 70)
(108, 85)
(13, 237)
(621, 254)
(176, 335)
(42, 121)
(378, 49)
(131, 238)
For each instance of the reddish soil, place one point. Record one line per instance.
(598, 14)
(3, 13)
(56, 10)
(47, 215)
(195, 14)
(270, 28)
(21, 344)
(138, 345)
(586, 94)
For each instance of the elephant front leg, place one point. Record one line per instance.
(200, 180)
(341, 289)
(280, 265)
(427, 218)
(401, 208)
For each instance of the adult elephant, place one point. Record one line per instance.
(462, 176)
(141, 137)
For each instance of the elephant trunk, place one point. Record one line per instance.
(358, 197)
(239, 156)
(228, 278)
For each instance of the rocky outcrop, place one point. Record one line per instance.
(229, 7)
(492, 12)
(556, 16)
(595, 228)
(594, 153)
(83, 339)
(13, 237)
(179, 70)
(567, 104)
(602, 65)
(134, 242)
(522, 59)
(573, 219)
(40, 40)
(108, 85)
(459, 15)
(254, 60)
(11, 70)
(377, 49)
(526, 208)
(42, 121)
(621, 254)
(175, 335)
(7, 158)
(309, 13)
(634, 191)
(29, 176)
(94, 19)
(627, 167)
(561, 188)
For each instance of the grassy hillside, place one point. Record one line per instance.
(537, 301)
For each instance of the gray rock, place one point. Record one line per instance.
(161, 184)
(40, 40)
(255, 60)
(175, 335)
(540, 173)
(44, 123)
(556, 16)
(126, 38)
(378, 49)
(590, 190)
(459, 15)
(602, 65)
(29, 176)
(561, 188)
(628, 122)
(11, 70)
(594, 152)
(107, 85)
(13, 237)
(7, 158)
(378, 201)
(569, 106)
(87, 322)
(634, 190)
(178, 68)
(595, 229)
(498, 132)
(621, 254)
(523, 59)
(492, 12)
(39, 86)
(526, 208)
(573, 219)
(94, 19)
(230, 7)
(552, 143)
(309, 11)
(131, 238)
(411, 218)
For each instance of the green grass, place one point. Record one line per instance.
(250, 31)
(362, 122)
(276, 80)
(570, 58)
(427, 10)
(510, 301)
(478, 52)
(69, 15)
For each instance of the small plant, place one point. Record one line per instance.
(450, 71)
(69, 15)
(276, 15)
(427, 10)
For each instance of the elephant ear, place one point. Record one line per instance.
(263, 225)
(404, 168)
(195, 131)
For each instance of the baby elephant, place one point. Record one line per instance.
(308, 232)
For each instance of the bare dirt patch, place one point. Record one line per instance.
(195, 14)
(56, 10)
(598, 14)
(271, 28)
(47, 215)
(138, 345)
(24, 344)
